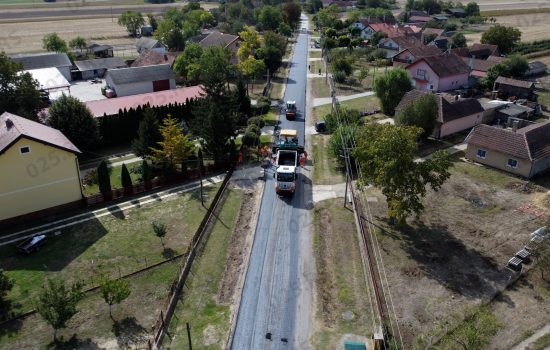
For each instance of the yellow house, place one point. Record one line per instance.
(38, 167)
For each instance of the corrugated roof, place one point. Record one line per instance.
(531, 142)
(42, 60)
(100, 63)
(49, 78)
(139, 74)
(13, 127)
(514, 82)
(111, 106)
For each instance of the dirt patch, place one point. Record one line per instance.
(240, 245)
(453, 257)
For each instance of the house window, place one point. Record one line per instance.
(431, 87)
(512, 163)
(481, 153)
(25, 150)
(421, 73)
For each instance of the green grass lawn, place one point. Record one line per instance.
(122, 242)
(199, 304)
(315, 54)
(320, 87)
(315, 66)
(271, 118)
(366, 103)
(92, 326)
(326, 171)
(341, 286)
(484, 174)
(114, 175)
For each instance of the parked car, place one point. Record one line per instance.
(321, 126)
(32, 244)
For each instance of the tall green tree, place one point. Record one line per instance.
(472, 9)
(78, 43)
(132, 20)
(170, 34)
(458, 40)
(292, 12)
(75, 121)
(386, 155)
(125, 178)
(152, 21)
(506, 38)
(114, 291)
(57, 302)
(187, 65)
(146, 173)
(103, 177)
(215, 66)
(174, 147)
(148, 134)
(515, 66)
(214, 122)
(269, 17)
(391, 87)
(18, 91)
(421, 113)
(52, 42)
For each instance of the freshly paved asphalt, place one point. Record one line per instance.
(269, 303)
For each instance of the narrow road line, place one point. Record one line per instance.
(538, 334)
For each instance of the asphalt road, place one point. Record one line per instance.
(274, 299)
(73, 9)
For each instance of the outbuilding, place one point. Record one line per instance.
(45, 60)
(141, 80)
(96, 68)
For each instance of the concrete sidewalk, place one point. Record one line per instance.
(328, 100)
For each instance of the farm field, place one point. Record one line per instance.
(532, 26)
(26, 37)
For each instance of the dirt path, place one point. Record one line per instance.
(541, 332)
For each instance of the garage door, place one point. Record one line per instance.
(160, 85)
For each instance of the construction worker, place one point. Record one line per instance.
(266, 151)
(302, 160)
(240, 156)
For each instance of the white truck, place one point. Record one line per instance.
(288, 152)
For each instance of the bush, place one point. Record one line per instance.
(377, 55)
(346, 116)
(340, 77)
(103, 177)
(90, 178)
(263, 105)
(258, 121)
(255, 129)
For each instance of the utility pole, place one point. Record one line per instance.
(189, 336)
(200, 165)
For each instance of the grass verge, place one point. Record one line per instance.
(326, 170)
(540, 344)
(514, 12)
(208, 319)
(315, 54)
(320, 87)
(365, 103)
(342, 299)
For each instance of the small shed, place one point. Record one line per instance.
(101, 51)
(144, 44)
(536, 68)
(457, 12)
(89, 69)
(513, 87)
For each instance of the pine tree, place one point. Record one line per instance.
(103, 177)
(174, 147)
(148, 134)
(125, 178)
(146, 174)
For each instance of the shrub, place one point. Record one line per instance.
(258, 121)
(250, 138)
(339, 77)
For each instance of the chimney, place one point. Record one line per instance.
(515, 125)
(9, 123)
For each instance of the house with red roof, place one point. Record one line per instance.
(414, 53)
(524, 151)
(439, 73)
(39, 168)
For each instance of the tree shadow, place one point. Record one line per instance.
(128, 332)
(9, 328)
(208, 192)
(461, 269)
(58, 251)
(117, 213)
(169, 253)
(74, 343)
